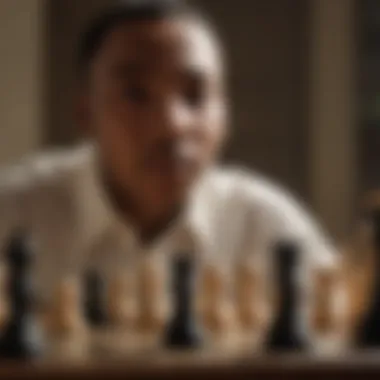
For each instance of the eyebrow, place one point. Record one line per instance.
(139, 69)
(131, 69)
(194, 73)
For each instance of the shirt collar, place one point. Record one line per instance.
(193, 227)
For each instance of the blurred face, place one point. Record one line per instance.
(156, 107)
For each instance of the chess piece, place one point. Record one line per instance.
(94, 300)
(368, 334)
(120, 301)
(67, 330)
(217, 311)
(285, 334)
(4, 306)
(21, 338)
(152, 310)
(64, 316)
(249, 294)
(323, 320)
(183, 331)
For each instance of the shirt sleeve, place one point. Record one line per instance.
(275, 215)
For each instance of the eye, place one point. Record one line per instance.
(136, 94)
(194, 95)
(194, 91)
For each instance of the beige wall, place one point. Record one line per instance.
(333, 107)
(267, 45)
(65, 22)
(21, 79)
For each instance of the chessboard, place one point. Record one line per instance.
(92, 342)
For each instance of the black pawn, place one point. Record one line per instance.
(94, 300)
(183, 331)
(368, 334)
(21, 338)
(285, 334)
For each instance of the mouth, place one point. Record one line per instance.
(174, 163)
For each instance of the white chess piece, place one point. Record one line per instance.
(65, 314)
(215, 305)
(151, 285)
(330, 314)
(252, 303)
(121, 303)
(67, 332)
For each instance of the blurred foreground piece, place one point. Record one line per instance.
(369, 329)
(217, 311)
(94, 299)
(121, 309)
(183, 331)
(65, 317)
(151, 286)
(21, 338)
(285, 334)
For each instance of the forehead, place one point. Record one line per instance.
(162, 43)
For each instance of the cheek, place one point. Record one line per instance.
(214, 130)
(113, 123)
(117, 140)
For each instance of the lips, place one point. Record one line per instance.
(173, 165)
(175, 161)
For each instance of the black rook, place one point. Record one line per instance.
(285, 334)
(94, 302)
(21, 337)
(183, 331)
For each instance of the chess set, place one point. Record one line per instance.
(100, 339)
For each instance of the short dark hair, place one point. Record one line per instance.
(126, 11)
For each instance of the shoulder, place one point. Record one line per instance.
(37, 181)
(267, 211)
(254, 193)
(45, 169)
(39, 193)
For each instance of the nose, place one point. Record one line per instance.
(174, 118)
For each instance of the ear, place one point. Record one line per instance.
(82, 113)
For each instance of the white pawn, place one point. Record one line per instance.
(152, 307)
(330, 315)
(121, 303)
(247, 296)
(251, 304)
(65, 315)
(322, 316)
(216, 308)
(66, 329)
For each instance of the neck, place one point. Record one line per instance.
(149, 222)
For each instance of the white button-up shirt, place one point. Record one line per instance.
(232, 216)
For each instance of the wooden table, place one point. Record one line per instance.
(352, 366)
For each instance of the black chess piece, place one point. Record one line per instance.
(368, 334)
(285, 334)
(94, 300)
(183, 331)
(21, 338)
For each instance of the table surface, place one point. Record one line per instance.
(353, 365)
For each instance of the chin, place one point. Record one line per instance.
(173, 186)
